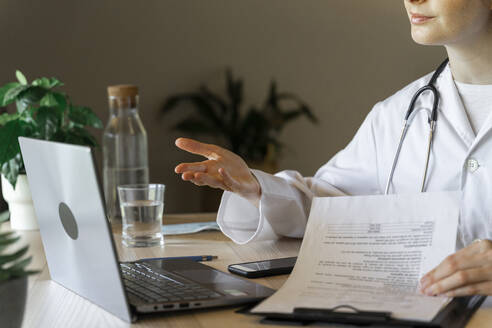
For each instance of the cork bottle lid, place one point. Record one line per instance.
(123, 90)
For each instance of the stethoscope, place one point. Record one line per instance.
(408, 120)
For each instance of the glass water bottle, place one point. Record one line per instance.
(125, 158)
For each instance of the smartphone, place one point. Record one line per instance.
(263, 268)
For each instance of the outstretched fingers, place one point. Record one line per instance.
(188, 176)
(191, 167)
(198, 148)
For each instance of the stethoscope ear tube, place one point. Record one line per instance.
(408, 120)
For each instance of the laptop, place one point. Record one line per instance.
(80, 249)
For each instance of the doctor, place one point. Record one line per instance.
(259, 206)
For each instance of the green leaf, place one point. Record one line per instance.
(54, 82)
(290, 115)
(20, 77)
(48, 100)
(42, 82)
(61, 100)
(13, 257)
(272, 98)
(32, 94)
(302, 106)
(12, 168)
(61, 135)
(20, 265)
(234, 87)
(27, 116)
(254, 135)
(4, 90)
(48, 120)
(235, 93)
(305, 109)
(79, 136)
(47, 83)
(21, 105)
(11, 94)
(6, 117)
(213, 98)
(9, 146)
(254, 120)
(5, 235)
(14, 274)
(84, 116)
(8, 241)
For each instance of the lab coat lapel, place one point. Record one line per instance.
(484, 131)
(451, 108)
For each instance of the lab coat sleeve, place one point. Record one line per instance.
(286, 196)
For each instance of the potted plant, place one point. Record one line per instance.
(13, 280)
(42, 112)
(253, 134)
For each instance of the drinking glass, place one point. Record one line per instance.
(141, 208)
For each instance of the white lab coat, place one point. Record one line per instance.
(362, 168)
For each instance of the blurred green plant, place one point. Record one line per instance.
(252, 134)
(42, 113)
(12, 265)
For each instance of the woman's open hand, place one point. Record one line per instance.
(222, 169)
(466, 272)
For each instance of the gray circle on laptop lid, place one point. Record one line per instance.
(68, 221)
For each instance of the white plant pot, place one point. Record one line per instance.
(21, 208)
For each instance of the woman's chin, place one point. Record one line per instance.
(426, 39)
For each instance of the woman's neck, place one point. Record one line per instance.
(471, 62)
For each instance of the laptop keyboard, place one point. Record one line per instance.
(142, 283)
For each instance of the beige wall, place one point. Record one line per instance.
(342, 56)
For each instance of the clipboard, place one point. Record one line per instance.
(454, 315)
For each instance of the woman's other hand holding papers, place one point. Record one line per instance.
(466, 272)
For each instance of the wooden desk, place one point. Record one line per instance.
(51, 305)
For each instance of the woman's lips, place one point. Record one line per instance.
(419, 19)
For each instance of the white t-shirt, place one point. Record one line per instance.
(477, 100)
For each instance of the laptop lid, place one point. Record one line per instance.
(76, 234)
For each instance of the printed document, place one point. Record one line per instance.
(369, 252)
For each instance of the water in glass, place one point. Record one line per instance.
(142, 223)
(141, 208)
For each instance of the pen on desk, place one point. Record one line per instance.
(196, 258)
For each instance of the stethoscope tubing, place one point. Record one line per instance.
(432, 125)
(397, 155)
(432, 120)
